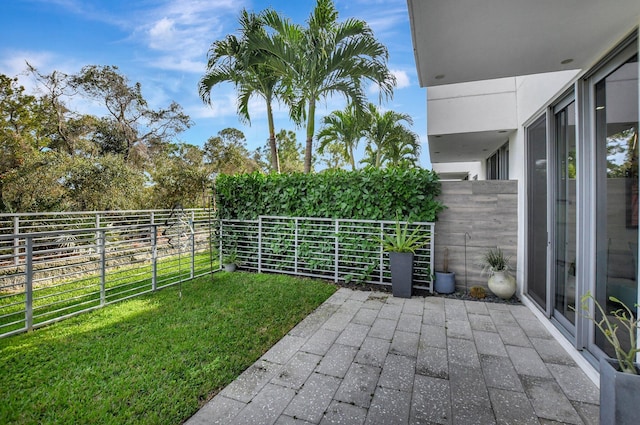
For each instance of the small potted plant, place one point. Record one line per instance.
(496, 264)
(619, 377)
(402, 247)
(230, 261)
(445, 280)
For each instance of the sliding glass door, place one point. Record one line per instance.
(616, 146)
(551, 212)
(537, 241)
(563, 271)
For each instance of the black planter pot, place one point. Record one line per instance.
(401, 264)
(445, 283)
(619, 394)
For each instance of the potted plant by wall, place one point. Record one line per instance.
(230, 261)
(401, 247)
(445, 280)
(501, 283)
(619, 377)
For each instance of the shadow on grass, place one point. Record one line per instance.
(154, 359)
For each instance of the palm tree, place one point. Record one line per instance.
(405, 151)
(342, 130)
(232, 60)
(323, 59)
(389, 142)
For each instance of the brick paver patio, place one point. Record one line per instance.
(370, 358)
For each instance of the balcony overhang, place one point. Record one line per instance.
(466, 147)
(469, 40)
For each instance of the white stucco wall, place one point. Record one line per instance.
(472, 107)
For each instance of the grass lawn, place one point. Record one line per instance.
(79, 293)
(154, 359)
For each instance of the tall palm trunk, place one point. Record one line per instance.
(351, 158)
(275, 159)
(310, 130)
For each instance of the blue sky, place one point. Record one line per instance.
(163, 45)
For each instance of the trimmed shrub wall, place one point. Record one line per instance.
(371, 194)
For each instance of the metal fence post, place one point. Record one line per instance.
(103, 265)
(193, 245)
(337, 251)
(295, 245)
(154, 257)
(431, 254)
(29, 283)
(220, 245)
(16, 241)
(98, 248)
(381, 252)
(260, 244)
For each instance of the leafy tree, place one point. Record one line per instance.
(68, 131)
(232, 60)
(341, 132)
(323, 59)
(290, 153)
(182, 177)
(35, 185)
(24, 136)
(104, 183)
(389, 142)
(53, 158)
(129, 124)
(19, 124)
(227, 153)
(333, 157)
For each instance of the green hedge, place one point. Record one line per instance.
(371, 194)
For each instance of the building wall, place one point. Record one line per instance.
(472, 107)
(485, 214)
(473, 169)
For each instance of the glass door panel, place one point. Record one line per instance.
(564, 271)
(537, 240)
(616, 126)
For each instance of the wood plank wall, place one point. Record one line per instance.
(485, 213)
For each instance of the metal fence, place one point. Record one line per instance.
(58, 265)
(337, 249)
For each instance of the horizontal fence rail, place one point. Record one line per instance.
(338, 249)
(73, 267)
(57, 265)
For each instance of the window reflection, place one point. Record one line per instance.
(617, 137)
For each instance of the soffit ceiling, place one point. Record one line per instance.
(465, 147)
(469, 40)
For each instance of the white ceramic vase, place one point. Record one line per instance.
(502, 284)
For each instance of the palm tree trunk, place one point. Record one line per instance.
(275, 159)
(351, 159)
(310, 130)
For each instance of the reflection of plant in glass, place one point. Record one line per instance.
(571, 159)
(622, 154)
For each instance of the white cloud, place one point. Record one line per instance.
(15, 62)
(182, 31)
(222, 105)
(402, 79)
(183, 64)
(162, 33)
